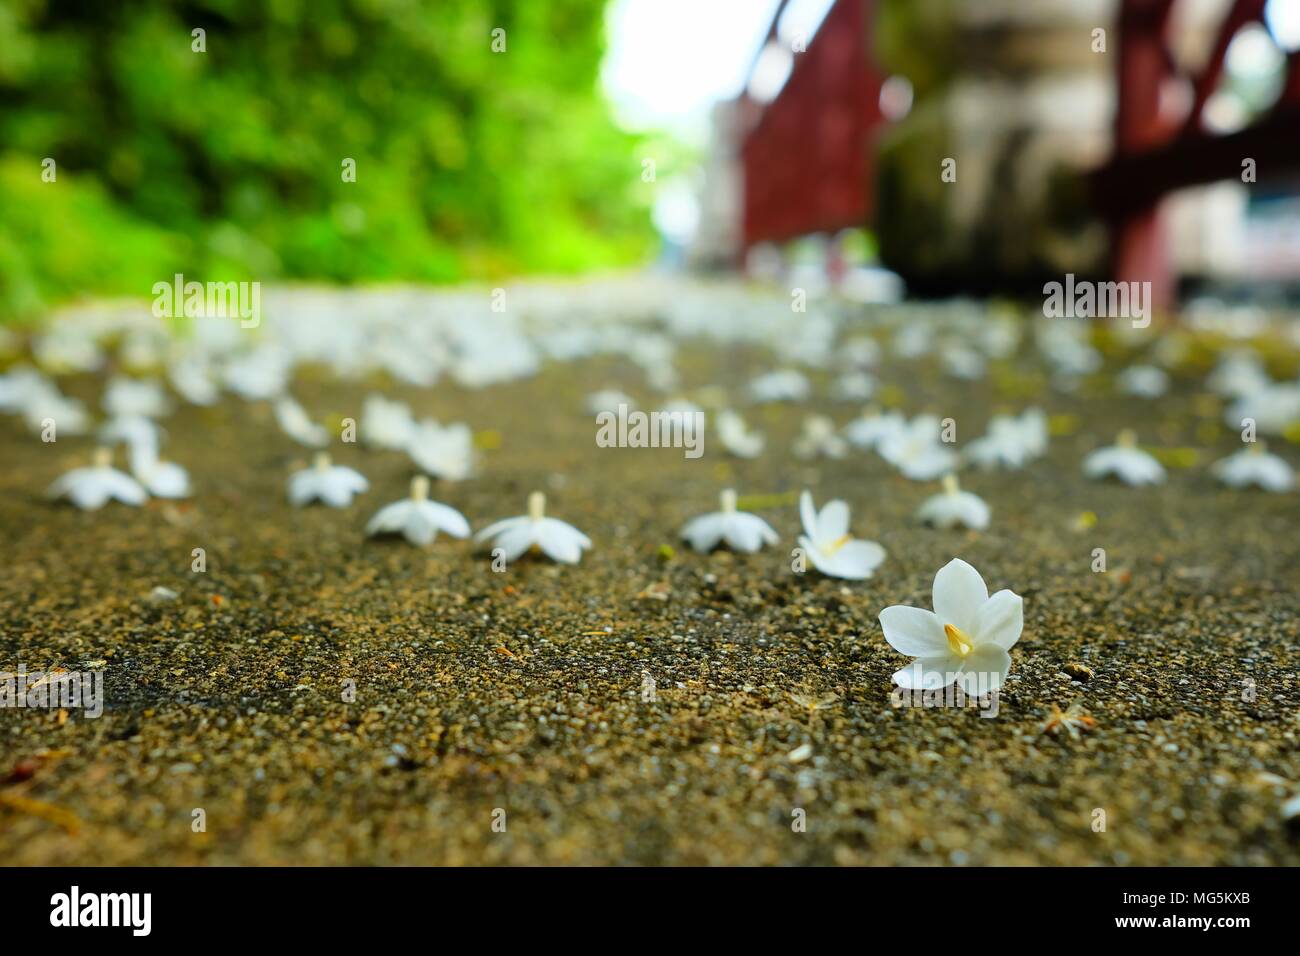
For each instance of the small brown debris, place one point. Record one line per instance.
(1080, 672)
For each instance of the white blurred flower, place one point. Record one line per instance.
(608, 400)
(964, 639)
(740, 530)
(1255, 465)
(417, 518)
(818, 439)
(1143, 381)
(1238, 374)
(386, 424)
(259, 375)
(94, 486)
(1273, 408)
(829, 546)
(854, 387)
(445, 451)
(737, 437)
(786, 385)
(127, 397)
(1126, 461)
(1011, 442)
(162, 479)
(963, 363)
(917, 452)
(953, 507)
(324, 481)
(872, 429)
(557, 539)
(191, 376)
(295, 422)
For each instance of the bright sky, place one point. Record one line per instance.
(670, 60)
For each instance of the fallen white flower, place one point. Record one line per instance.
(818, 438)
(93, 487)
(1255, 465)
(417, 518)
(917, 452)
(335, 485)
(829, 546)
(1143, 381)
(297, 424)
(965, 638)
(446, 452)
(953, 507)
(557, 539)
(608, 400)
(740, 530)
(1125, 460)
(386, 424)
(737, 437)
(871, 429)
(786, 385)
(1011, 442)
(126, 397)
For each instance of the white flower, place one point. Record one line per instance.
(1144, 381)
(92, 487)
(1238, 374)
(1126, 461)
(557, 539)
(854, 387)
(191, 376)
(736, 437)
(818, 438)
(417, 518)
(386, 424)
(965, 638)
(872, 429)
(260, 375)
(740, 530)
(1254, 465)
(783, 386)
(130, 397)
(325, 481)
(963, 363)
(917, 452)
(828, 544)
(294, 422)
(162, 479)
(608, 400)
(1011, 441)
(1273, 408)
(48, 403)
(445, 452)
(953, 507)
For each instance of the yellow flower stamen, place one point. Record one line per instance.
(958, 640)
(835, 546)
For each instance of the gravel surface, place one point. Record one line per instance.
(499, 717)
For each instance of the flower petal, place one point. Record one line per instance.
(833, 521)
(1000, 620)
(958, 593)
(985, 669)
(929, 673)
(913, 631)
(704, 532)
(808, 515)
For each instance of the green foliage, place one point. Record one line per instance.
(228, 163)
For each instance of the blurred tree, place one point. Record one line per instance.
(229, 163)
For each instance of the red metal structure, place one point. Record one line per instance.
(1155, 154)
(807, 159)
